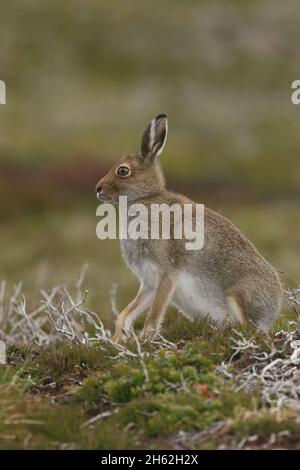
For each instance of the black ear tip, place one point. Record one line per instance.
(161, 116)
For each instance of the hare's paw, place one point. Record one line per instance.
(120, 337)
(121, 334)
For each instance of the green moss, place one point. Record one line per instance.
(170, 370)
(183, 392)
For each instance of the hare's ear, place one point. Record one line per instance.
(155, 136)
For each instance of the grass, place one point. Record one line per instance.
(50, 396)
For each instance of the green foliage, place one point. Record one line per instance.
(169, 371)
(53, 394)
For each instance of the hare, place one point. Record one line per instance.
(228, 279)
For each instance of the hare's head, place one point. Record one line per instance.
(138, 175)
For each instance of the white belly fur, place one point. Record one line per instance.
(193, 297)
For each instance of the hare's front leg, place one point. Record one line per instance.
(132, 311)
(164, 290)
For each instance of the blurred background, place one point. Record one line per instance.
(83, 79)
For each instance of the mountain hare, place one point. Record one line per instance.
(228, 279)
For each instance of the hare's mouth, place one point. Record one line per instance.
(99, 193)
(102, 196)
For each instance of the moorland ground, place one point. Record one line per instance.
(82, 82)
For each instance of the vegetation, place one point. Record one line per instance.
(83, 78)
(67, 397)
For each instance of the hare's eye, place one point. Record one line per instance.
(123, 171)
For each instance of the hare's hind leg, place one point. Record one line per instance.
(132, 311)
(164, 290)
(254, 307)
(236, 310)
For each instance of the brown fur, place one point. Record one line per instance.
(229, 271)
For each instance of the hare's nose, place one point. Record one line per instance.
(98, 189)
